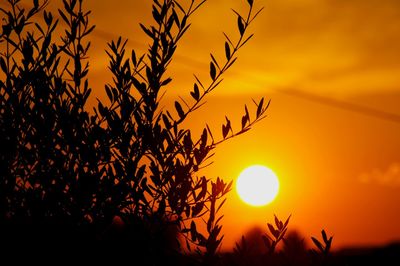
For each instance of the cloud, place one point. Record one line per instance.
(385, 177)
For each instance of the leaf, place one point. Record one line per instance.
(193, 231)
(203, 191)
(187, 143)
(287, 221)
(197, 208)
(244, 121)
(156, 15)
(213, 71)
(317, 244)
(227, 51)
(64, 17)
(240, 25)
(328, 245)
(166, 121)
(198, 155)
(147, 31)
(204, 138)
(195, 93)
(277, 223)
(274, 232)
(179, 110)
(324, 237)
(225, 129)
(282, 234)
(250, 2)
(133, 57)
(260, 107)
(109, 93)
(3, 65)
(166, 82)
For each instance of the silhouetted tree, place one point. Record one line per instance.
(127, 171)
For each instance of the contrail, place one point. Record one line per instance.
(344, 105)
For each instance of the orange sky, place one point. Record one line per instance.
(339, 168)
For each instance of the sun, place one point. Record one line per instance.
(257, 185)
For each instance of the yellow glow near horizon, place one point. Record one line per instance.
(257, 185)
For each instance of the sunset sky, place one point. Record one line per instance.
(332, 71)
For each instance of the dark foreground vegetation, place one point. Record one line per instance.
(122, 181)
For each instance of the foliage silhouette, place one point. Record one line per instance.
(128, 171)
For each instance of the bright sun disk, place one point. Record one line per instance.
(257, 185)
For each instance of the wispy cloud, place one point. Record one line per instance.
(384, 177)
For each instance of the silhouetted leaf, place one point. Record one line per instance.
(188, 143)
(203, 191)
(281, 235)
(317, 244)
(244, 121)
(64, 17)
(133, 57)
(166, 82)
(240, 25)
(196, 209)
(213, 71)
(204, 138)
(3, 65)
(48, 17)
(157, 17)
(147, 31)
(260, 107)
(195, 93)
(193, 231)
(287, 221)
(109, 93)
(227, 51)
(226, 128)
(179, 110)
(274, 232)
(324, 237)
(166, 121)
(328, 245)
(277, 222)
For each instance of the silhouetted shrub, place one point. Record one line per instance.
(127, 172)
